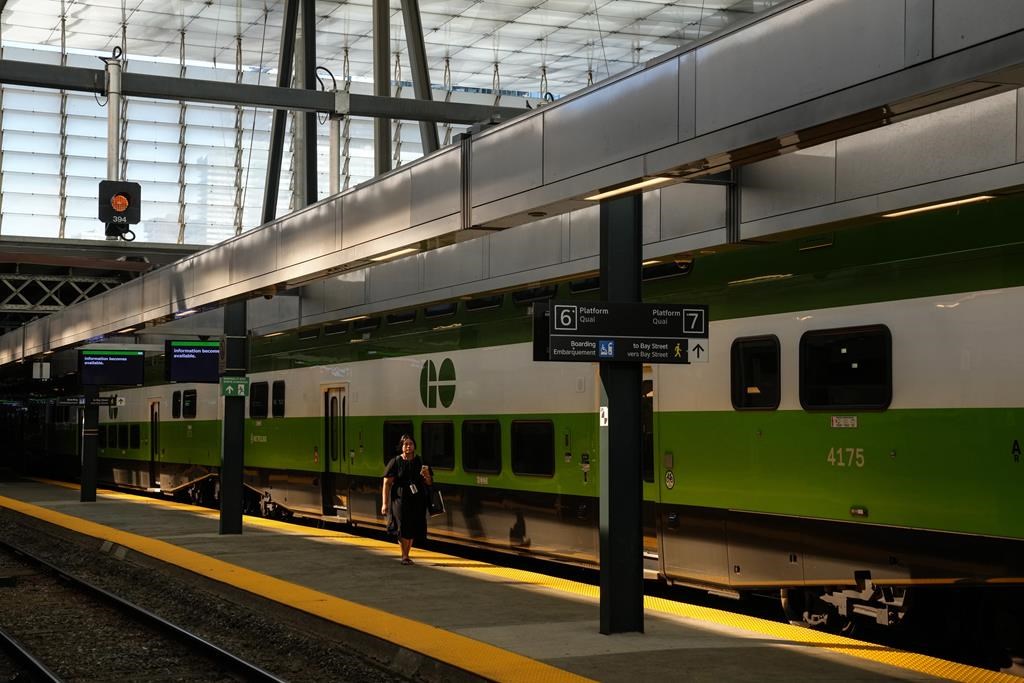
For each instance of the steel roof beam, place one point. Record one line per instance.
(15, 72)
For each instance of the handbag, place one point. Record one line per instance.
(435, 502)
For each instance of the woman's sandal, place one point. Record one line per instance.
(406, 560)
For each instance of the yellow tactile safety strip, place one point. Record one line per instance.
(788, 634)
(479, 658)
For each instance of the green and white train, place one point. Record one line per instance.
(854, 433)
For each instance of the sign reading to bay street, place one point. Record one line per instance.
(617, 331)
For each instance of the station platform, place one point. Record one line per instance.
(468, 617)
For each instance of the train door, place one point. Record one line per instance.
(334, 463)
(651, 489)
(154, 444)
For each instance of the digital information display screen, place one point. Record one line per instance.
(121, 367)
(192, 361)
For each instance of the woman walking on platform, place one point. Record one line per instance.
(404, 496)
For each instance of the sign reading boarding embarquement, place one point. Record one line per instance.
(603, 331)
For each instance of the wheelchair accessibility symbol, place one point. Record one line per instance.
(606, 348)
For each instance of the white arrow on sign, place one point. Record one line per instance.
(699, 350)
(229, 390)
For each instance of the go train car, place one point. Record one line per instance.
(854, 434)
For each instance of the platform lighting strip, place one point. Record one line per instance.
(394, 254)
(628, 188)
(943, 205)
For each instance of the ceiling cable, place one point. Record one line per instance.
(600, 37)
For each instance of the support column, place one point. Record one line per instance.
(90, 430)
(284, 76)
(420, 73)
(381, 84)
(309, 82)
(621, 530)
(232, 460)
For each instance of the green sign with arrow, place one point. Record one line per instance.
(234, 386)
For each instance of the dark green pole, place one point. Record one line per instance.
(233, 443)
(621, 530)
(90, 428)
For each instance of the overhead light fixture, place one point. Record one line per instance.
(652, 262)
(355, 317)
(394, 254)
(628, 188)
(126, 330)
(182, 314)
(273, 334)
(943, 205)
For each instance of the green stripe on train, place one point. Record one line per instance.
(949, 469)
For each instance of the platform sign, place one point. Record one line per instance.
(115, 367)
(603, 331)
(192, 361)
(82, 401)
(234, 386)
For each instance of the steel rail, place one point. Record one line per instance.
(39, 670)
(250, 671)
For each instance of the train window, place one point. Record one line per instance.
(336, 328)
(176, 404)
(438, 310)
(846, 368)
(438, 447)
(112, 436)
(481, 446)
(134, 437)
(756, 379)
(588, 284)
(533, 447)
(122, 436)
(258, 399)
(403, 317)
(656, 271)
(366, 324)
(525, 296)
(393, 431)
(101, 437)
(188, 403)
(277, 399)
(481, 303)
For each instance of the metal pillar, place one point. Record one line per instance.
(284, 74)
(232, 460)
(90, 430)
(418, 64)
(381, 84)
(621, 490)
(114, 116)
(309, 83)
(335, 155)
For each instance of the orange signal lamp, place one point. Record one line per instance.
(119, 203)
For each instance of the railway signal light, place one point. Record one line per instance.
(120, 204)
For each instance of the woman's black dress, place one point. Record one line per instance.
(407, 511)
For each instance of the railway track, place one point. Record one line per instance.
(62, 627)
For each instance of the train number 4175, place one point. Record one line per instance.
(846, 457)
